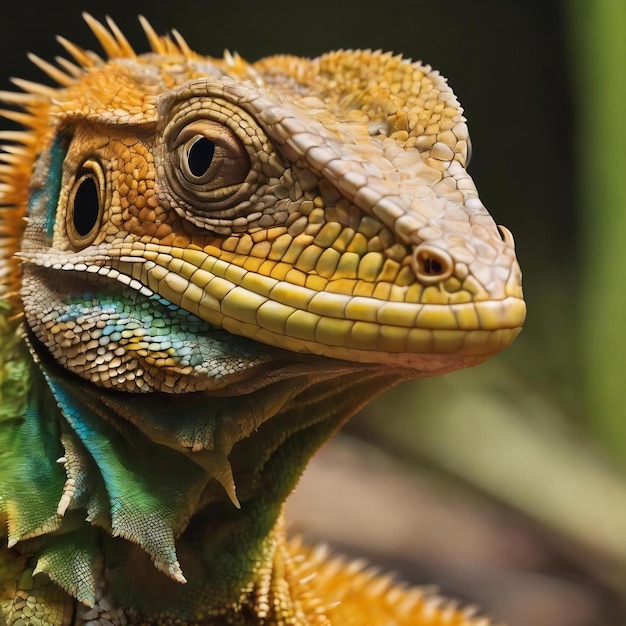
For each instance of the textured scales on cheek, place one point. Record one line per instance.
(208, 266)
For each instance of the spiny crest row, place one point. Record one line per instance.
(115, 46)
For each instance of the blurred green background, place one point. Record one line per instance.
(504, 485)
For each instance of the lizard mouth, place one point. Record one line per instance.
(426, 338)
(422, 339)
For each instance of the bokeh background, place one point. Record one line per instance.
(504, 485)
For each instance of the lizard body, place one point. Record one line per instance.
(208, 266)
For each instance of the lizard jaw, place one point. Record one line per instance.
(430, 337)
(423, 338)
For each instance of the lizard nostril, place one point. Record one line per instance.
(431, 265)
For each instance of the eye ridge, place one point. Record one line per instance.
(200, 153)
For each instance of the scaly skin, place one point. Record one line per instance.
(220, 263)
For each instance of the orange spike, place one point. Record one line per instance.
(19, 136)
(182, 44)
(10, 159)
(25, 119)
(53, 72)
(156, 42)
(170, 46)
(15, 151)
(16, 98)
(37, 89)
(82, 57)
(70, 68)
(125, 47)
(110, 45)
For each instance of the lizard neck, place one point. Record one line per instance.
(234, 557)
(186, 454)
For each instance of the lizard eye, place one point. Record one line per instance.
(211, 160)
(199, 156)
(85, 205)
(212, 163)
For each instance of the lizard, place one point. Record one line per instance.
(208, 266)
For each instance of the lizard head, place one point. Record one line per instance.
(321, 207)
(288, 238)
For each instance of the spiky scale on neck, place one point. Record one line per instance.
(222, 262)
